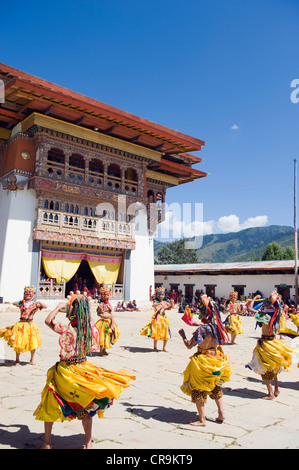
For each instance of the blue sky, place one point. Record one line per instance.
(218, 70)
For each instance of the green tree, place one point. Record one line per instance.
(164, 256)
(273, 251)
(289, 253)
(176, 253)
(181, 254)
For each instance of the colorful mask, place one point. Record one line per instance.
(160, 291)
(105, 292)
(233, 296)
(29, 292)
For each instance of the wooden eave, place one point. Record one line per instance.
(25, 94)
(185, 173)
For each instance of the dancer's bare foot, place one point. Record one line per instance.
(269, 397)
(165, 350)
(46, 446)
(276, 393)
(220, 419)
(198, 423)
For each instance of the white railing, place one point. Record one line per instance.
(102, 227)
(51, 289)
(117, 290)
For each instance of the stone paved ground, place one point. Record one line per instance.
(152, 413)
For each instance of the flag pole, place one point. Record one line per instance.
(295, 233)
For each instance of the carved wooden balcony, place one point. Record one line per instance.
(63, 222)
(80, 176)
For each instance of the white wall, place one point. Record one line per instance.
(17, 215)
(139, 267)
(224, 282)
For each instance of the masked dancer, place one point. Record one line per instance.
(209, 367)
(232, 323)
(158, 327)
(25, 335)
(109, 331)
(271, 355)
(75, 387)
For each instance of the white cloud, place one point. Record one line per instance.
(231, 223)
(234, 127)
(173, 227)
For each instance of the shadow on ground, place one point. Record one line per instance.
(23, 438)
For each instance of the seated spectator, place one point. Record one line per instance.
(130, 306)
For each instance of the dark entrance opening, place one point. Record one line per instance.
(83, 277)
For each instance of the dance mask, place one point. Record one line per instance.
(29, 293)
(105, 293)
(233, 296)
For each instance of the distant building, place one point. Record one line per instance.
(77, 181)
(218, 279)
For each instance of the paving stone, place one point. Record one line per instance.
(153, 413)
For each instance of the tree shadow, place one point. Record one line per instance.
(23, 438)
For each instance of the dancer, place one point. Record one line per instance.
(158, 327)
(294, 316)
(109, 331)
(77, 388)
(283, 329)
(209, 367)
(232, 323)
(24, 335)
(271, 355)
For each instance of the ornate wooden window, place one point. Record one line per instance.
(55, 163)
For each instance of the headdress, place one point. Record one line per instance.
(270, 308)
(79, 315)
(160, 290)
(105, 291)
(209, 313)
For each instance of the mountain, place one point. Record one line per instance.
(246, 245)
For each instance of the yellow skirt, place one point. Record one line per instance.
(157, 329)
(205, 371)
(22, 336)
(73, 391)
(295, 318)
(108, 336)
(271, 356)
(233, 325)
(284, 330)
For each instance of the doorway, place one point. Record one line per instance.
(188, 292)
(210, 290)
(82, 280)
